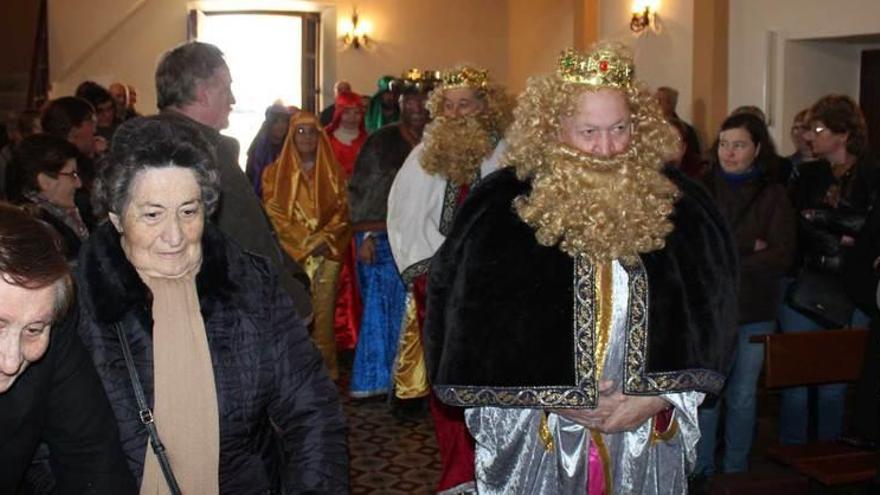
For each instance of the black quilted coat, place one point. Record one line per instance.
(281, 425)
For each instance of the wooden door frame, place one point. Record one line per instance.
(310, 85)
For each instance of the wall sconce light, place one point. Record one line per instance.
(643, 13)
(355, 31)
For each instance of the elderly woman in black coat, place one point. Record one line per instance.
(236, 390)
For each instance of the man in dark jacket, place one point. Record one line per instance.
(49, 391)
(382, 291)
(193, 87)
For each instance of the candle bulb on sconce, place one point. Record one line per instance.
(643, 13)
(356, 31)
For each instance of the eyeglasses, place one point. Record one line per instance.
(310, 131)
(816, 129)
(73, 175)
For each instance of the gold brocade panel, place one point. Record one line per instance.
(410, 372)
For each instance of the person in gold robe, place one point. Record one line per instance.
(304, 194)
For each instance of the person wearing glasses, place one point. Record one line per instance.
(802, 152)
(73, 118)
(304, 194)
(44, 180)
(832, 196)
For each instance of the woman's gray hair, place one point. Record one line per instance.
(146, 143)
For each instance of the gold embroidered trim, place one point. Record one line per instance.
(581, 394)
(636, 380)
(450, 203)
(584, 325)
(415, 270)
(584, 393)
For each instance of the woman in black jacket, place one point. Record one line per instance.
(833, 196)
(236, 389)
(45, 180)
(762, 220)
(49, 391)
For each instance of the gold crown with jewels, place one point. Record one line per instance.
(423, 80)
(464, 77)
(603, 67)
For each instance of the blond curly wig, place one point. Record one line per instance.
(601, 208)
(455, 147)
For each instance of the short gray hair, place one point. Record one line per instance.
(181, 69)
(146, 143)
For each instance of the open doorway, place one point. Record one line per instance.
(272, 59)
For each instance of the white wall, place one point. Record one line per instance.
(537, 33)
(108, 40)
(663, 58)
(813, 69)
(801, 70)
(426, 34)
(123, 43)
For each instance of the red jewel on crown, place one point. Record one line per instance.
(603, 65)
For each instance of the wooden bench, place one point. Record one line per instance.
(814, 358)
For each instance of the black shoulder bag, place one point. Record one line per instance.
(146, 415)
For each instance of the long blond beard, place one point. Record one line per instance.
(601, 208)
(456, 147)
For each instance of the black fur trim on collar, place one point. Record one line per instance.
(110, 286)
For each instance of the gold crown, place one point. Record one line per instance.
(464, 77)
(412, 75)
(422, 80)
(418, 75)
(603, 67)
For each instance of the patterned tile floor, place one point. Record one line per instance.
(388, 456)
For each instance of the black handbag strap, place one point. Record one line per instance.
(146, 415)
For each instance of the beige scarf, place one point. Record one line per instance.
(185, 395)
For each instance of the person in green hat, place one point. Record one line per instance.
(383, 107)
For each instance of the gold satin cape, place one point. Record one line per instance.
(304, 212)
(307, 212)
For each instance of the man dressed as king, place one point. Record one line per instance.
(459, 147)
(584, 300)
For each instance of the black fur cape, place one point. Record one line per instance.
(501, 330)
(377, 164)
